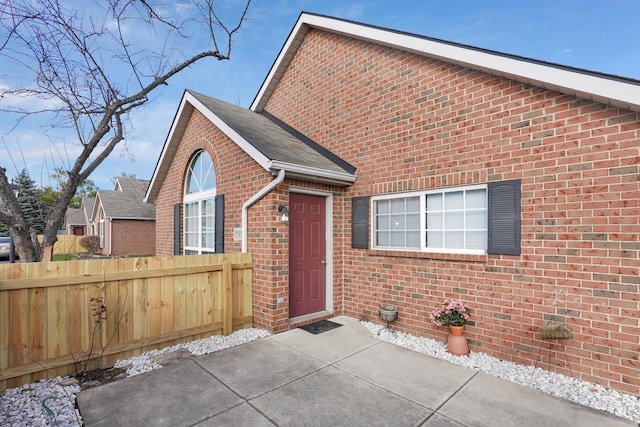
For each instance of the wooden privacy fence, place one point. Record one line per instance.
(67, 244)
(51, 315)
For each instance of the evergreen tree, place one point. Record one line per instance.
(30, 200)
(4, 230)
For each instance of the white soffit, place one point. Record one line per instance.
(187, 105)
(623, 93)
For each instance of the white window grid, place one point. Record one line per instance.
(199, 206)
(419, 237)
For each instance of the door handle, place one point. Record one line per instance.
(323, 262)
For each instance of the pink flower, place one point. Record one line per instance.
(452, 312)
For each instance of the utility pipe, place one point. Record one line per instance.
(246, 205)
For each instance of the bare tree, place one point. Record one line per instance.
(90, 68)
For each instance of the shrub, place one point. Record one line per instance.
(90, 243)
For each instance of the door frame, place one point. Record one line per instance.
(328, 239)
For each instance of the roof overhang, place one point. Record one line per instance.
(607, 89)
(313, 174)
(94, 208)
(188, 104)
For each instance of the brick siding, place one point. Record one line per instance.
(411, 123)
(133, 237)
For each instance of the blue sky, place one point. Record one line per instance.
(596, 35)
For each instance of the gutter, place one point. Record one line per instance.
(315, 174)
(246, 205)
(132, 218)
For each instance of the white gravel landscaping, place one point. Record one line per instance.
(588, 394)
(23, 406)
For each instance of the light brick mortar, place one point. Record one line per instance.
(409, 123)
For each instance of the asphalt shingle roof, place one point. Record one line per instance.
(274, 138)
(74, 216)
(128, 202)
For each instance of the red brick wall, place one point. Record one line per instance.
(238, 177)
(133, 237)
(410, 123)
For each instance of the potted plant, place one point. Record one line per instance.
(554, 330)
(388, 313)
(455, 314)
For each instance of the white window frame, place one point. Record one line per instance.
(198, 198)
(101, 228)
(422, 195)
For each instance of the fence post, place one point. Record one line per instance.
(227, 298)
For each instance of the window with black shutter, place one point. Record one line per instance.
(219, 225)
(504, 217)
(176, 229)
(360, 223)
(473, 219)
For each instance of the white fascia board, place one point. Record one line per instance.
(177, 129)
(95, 205)
(175, 134)
(612, 91)
(252, 151)
(313, 172)
(585, 85)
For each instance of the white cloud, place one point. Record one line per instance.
(36, 153)
(26, 102)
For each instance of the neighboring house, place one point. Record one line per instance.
(74, 222)
(124, 222)
(414, 170)
(86, 206)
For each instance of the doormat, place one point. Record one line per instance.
(320, 327)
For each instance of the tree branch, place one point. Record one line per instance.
(93, 67)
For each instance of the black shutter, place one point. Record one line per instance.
(219, 227)
(504, 217)
(360, 222)
(176, 228)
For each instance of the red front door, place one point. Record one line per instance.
(307, 254)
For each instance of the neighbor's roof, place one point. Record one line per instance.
(126, 202)
(135, 187)
(599, 87)
(270, 142)
(74, 216)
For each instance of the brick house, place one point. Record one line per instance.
(413, 170)
(124, 222)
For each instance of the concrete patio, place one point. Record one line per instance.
(342, 377)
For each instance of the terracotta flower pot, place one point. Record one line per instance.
(457, 342)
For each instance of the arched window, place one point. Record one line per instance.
(199, 206)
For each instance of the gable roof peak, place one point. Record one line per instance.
(604, 88)
(271, 143)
